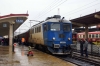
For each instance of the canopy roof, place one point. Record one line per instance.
(6, 20)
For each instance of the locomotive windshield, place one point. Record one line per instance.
(66, 27)
(55, 27)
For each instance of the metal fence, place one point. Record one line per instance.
(92, 49)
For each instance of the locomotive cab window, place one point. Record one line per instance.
(66, 27)
(54, 27)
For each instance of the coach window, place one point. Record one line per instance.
(39, 28)
(89, 35)
(92, 35)
(78, 36)
(96, 35)
(31, 36)
(99, 36)
(83, 36)
(33, 30)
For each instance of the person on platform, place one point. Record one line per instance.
(81, 46)
(85, 47)
(23, 41)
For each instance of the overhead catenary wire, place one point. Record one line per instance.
(49, 7)
(82, 9)
(52, 8)
(73, 11)
(62, 3)
(56, 5)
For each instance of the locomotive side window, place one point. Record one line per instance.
(45, 27)
(66, 27)
(55, 27)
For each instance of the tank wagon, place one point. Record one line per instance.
(54, 34)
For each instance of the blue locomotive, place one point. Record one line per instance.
(54, 34)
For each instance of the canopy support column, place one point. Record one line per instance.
(11, 32)
(86, 32)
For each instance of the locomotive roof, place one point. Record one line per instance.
(53, 20)
(57, 20)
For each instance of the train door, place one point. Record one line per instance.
(45, 33)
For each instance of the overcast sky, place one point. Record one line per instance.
(40, 9)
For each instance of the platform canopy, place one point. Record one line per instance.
(89, 20)
(14, 19)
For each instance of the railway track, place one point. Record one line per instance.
(82, 61)
(79, 60)
(91, 59)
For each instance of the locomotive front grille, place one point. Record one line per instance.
(61, 35)
(56, 45)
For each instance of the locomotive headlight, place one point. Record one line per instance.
(53, 38)
(68, 38)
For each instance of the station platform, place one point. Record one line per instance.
(20, 58)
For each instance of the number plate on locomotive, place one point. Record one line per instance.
(63, 42)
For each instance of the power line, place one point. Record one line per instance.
(48, 8)
(26, 25)
(53, 8)
(51, 4)
(81, 7)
